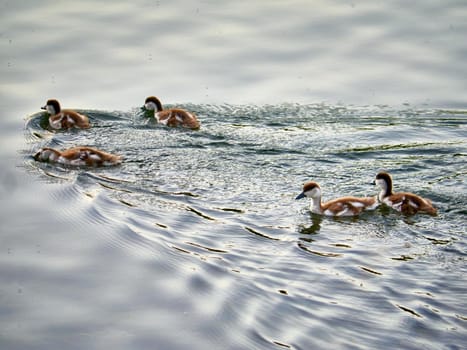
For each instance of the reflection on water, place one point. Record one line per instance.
(199, 232)
(94, 55)
(196, 241)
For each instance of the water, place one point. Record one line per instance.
(196, 241)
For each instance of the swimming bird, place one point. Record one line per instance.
(172, 116)
(404, 202)
(66, 118)
(345, 206)
(78, 156)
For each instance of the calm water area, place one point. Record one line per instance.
(196, 240)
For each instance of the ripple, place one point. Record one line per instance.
(209, 222)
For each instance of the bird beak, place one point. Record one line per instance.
(374, 182)
(36, 156)
(300, 196)
(44, 108)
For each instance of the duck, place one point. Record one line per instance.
(344, 206)
(77, 156)
(66, 118)
(404, 202)
(173, 116)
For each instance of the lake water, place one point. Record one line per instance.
(196, 240)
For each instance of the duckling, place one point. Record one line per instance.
(345, 206)
(78, 156)
(173, 116)
(66, 118)
(404, 202)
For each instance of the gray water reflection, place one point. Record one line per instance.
(196, 241)
(355, 52)
(221, 256)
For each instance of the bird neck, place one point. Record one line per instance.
(158, 106)
(386, 191)
(315, 204)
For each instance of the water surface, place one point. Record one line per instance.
(196, 240)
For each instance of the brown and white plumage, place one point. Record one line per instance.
(78, 156)
(66, 118)
(404, 202)
(172, 116)
(344, 206)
